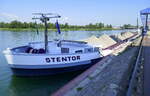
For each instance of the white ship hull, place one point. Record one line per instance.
(53, 61)
(45, 64)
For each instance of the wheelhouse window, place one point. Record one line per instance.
(79, 51)
(88, 50)
(64, 50)
(96, 49)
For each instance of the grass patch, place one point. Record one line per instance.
(90, 77)
(79, 88)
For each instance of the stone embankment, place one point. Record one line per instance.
(109, 77)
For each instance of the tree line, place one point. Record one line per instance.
(128, 26)
(18, 24)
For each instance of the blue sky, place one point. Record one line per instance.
(75, 12)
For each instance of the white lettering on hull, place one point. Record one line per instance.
(62, 59)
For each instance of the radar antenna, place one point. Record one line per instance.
(44, 17)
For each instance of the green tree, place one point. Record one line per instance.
(15, 24)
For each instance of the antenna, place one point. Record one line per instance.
(44, 17)
(36, 26)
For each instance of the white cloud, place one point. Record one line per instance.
(9, 17)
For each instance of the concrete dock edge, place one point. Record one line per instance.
(79, 78)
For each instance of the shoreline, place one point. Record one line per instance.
(64, 29)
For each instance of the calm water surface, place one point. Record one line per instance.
(35, 86)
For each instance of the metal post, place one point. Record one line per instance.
(146, 25)
(46, 36)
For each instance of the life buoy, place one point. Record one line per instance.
(41, 50)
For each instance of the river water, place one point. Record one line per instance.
(36, 86)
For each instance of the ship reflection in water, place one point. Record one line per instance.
(39, 86)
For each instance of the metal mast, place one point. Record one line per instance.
(44, 18)
(137, 23)
(146, 23)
